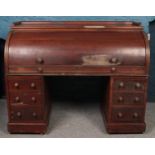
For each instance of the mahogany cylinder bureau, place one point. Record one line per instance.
(116, 50)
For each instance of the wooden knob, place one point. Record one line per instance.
(119, 115)
(137, 99)
(40, 60)
(120, 99)
(33, 99)
(121, 84)
(16, 85)
(114, 60)
(40, 69)
(34, 114)
(18, 114)
(12, 117)
(138, 85)
(135, 115)
(17, 98)
(33, 85)
(113, 69)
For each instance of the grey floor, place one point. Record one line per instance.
(77, 120)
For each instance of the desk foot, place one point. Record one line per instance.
(31, 128)
(127, 128)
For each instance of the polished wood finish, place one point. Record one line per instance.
(118, 50)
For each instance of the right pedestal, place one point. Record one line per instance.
(125, 106)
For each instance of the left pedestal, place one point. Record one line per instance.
(27, 106)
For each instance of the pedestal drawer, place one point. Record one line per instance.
(128, 99)
(124, 114)
(127, 84)
(21, 98)
(26, 113)
(24, 83)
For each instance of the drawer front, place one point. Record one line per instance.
(132, 115)
(128, 98)
(24, 84)
(128, 84)
(18, 98)
(76, 69)
(25, 113)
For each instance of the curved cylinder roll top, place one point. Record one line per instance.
(75, 44)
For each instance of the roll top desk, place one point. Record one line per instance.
(117, 50)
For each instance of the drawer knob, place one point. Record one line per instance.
(120, 99)
(137, 99)
(33, 99)
(40, 60)
(113, 69)
(16, 85)
(40, 69)
(33, 85)
(121, 84)
(17, 98)
(138, 85)
(135, 115)
(114, 60)
(18, 114)
(34, 114)
(119, 115)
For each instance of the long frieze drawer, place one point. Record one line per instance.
(25, 113)
(128, 98)
(21, 98)
(76, 70)
(24, 84)
(135, 84)
(132, 114)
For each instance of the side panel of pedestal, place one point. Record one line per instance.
(126, 104)
(27, 107)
